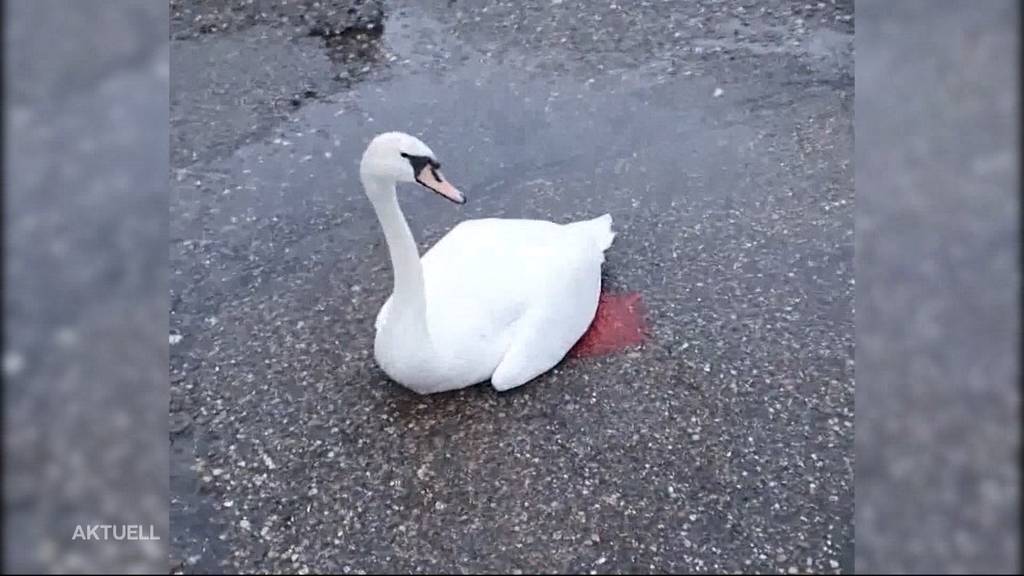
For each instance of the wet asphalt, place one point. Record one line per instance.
(719, 137)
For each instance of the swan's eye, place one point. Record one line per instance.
(420, 162)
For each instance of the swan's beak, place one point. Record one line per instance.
(431, 178)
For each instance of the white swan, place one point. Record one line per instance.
(495, 299)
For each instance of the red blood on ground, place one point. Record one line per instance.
(618, 324)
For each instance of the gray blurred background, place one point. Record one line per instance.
(938, 287)
(85, 291)
(85, 357)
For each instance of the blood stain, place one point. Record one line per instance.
(618, 324)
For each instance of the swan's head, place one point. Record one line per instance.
(399, 157)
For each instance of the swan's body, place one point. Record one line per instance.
(495, 299)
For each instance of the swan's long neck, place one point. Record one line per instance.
(408, 305)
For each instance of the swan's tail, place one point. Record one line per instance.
(600, 229)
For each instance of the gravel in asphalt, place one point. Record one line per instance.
(718, 136)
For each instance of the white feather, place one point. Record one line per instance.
(502, 300)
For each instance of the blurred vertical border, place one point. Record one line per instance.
(937, 129)
(85, 289)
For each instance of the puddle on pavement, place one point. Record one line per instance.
(518, 141)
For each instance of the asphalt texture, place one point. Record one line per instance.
(718, 136)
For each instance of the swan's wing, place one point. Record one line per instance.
(520, 291)
(471, 274)
(552, 324)
(479, 279)
(493, 263)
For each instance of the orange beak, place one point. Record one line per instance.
(431, 178)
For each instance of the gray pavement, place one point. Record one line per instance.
(721, 140)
